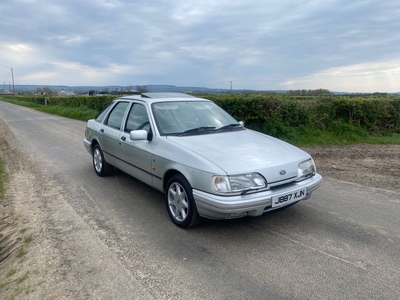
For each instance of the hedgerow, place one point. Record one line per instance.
(275, 113)
(280, 115)
(90, 102)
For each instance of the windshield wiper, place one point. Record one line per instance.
(229, 126)
(197, 129)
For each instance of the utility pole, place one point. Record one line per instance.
(12, 75)
(231, 85)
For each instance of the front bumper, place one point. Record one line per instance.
(227, 207)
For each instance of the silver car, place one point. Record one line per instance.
(206, 163)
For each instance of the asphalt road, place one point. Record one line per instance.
(343, 243)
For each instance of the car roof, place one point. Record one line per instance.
(166, 95)
(162, 97)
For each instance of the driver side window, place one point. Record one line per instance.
(137, 119)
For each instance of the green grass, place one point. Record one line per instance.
(342, 134)
(316, 137)
(21, 102)
(80, 113)
(77, 113)
(28, 239)
(21, 251)
(3, 178)
(23, 277)
(11, 272)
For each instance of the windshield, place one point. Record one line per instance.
(192, 117)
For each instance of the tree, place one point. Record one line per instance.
(142, 88)
(48, 91)
(105, 91)
(44, 91)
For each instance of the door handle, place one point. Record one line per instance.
(102, 130)
(123, 138)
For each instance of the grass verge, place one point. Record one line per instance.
(79, 113)
(318, 137)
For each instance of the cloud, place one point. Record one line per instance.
(258, 44)
(379, 76)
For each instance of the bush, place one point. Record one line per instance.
(299, 118)
(374, 114)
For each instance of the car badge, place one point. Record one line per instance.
(282, 172)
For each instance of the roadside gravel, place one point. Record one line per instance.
(46, 250)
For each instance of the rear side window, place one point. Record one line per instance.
(100, 115)
(116, 115)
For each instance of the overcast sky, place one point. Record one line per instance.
(340, 45)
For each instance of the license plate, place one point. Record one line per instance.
(287, 198)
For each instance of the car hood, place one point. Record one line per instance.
(238, 152)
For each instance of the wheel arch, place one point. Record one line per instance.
(94, 143)
(168, 175)
(197, 179)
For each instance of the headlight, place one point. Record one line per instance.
(306, 169)
(238, 183)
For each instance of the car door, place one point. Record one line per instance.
(135, 156)
(110, 131)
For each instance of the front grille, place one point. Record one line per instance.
(281, 183)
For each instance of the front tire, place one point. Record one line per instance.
(180, 203)
(101, 167)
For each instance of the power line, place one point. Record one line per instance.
(8, 76)
(12, 77)
(5, 66)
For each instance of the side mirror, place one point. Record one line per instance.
(241, 123)
(138, 135)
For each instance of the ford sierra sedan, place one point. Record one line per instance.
(207, 164)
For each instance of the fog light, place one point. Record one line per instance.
(238, 215)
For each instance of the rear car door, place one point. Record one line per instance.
(109, 134)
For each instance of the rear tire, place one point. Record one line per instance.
(101, 167)
(180, 203)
